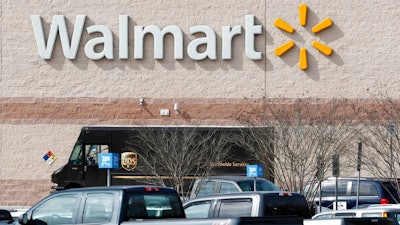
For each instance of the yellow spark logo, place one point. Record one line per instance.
(324, 49)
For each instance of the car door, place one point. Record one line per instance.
(98, 207)
(234, 207)
(93, 176)
(199, 209)
(56, 209)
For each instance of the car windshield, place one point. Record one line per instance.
(261, 185)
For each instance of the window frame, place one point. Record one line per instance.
(75, 208)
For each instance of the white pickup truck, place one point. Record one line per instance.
(248, 204)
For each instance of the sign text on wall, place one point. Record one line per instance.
(209, 39)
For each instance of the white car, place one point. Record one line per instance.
(382, 212)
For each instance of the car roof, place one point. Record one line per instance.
(363, 178)
(231, 178)
(243, 194)
(385, 206)
(138, 188)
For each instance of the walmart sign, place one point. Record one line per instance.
(70, 47)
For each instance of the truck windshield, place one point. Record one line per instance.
(76, 155)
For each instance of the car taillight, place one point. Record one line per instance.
(286, 194)
(384, 201)
(152, 189)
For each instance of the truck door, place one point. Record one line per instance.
(93, 176)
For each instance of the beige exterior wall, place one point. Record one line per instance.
(364, 65)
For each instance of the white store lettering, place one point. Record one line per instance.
(70, 47)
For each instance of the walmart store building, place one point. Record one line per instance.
(66, 64)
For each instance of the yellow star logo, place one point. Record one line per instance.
(324, 49)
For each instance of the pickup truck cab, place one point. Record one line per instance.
(248, 204)
(111, 205)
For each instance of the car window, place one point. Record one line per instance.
(390, 191)
(153, 205)
(261, 185)
(206, 188)
(265, 185)
(371, 214)
(323, 216)
(345, 215)
(92, 153)
(329, 188)
(228, 188)
(235, 208)
(198, 210)
(57, 210)
(98, 208)
(366, 189)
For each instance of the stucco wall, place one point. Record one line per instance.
(363, 38)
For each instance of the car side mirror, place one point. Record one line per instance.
(23, 219)
(5, 215)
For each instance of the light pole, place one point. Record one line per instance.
(391, 128)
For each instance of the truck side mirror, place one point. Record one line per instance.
(23, 219)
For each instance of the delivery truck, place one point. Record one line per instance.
(85, 167)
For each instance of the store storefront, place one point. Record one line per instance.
(67, 64)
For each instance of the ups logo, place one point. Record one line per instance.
(129, 160)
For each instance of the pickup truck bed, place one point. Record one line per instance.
(227, 221)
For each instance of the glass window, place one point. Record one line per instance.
(324, 216)
(235, 208)
(261, 185)
(143, 206)
(329, 187)
(98, 208)
(366, 189)
(92, 152)
(390, 190)
(345, 215)
(228, 188)
(76, 156)
(206, 188)
(60, 209)
(198, 209)
(371, 214)
(265, 185)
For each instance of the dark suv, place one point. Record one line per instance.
(372, 191)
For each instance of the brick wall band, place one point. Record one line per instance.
(190, 111)
(23, 192)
